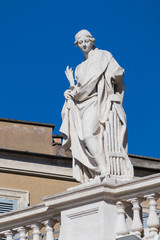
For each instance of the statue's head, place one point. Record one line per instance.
(84, 40)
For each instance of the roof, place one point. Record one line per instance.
(27, 122)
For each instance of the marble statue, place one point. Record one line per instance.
(93, 119)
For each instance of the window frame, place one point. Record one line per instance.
(21, 196)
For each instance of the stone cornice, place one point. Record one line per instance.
(111, 191)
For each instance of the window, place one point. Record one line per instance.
(13, 199)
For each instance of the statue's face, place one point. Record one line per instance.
(85, 44)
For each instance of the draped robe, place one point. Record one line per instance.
(95, 116)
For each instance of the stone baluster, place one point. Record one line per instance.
(137, 226)
(153, 221)
(60, 227)
(121, 226)
(36, 231)
(49, 229)
(22, 232)
(9, 235)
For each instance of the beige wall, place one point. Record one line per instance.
(37, 186)
(30, 137)
(26, 136)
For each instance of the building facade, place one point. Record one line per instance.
(34, 165)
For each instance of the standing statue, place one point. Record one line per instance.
(93, 119)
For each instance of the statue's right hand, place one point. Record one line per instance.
(67, 94)
(69, 75)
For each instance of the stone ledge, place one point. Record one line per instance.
(110, 191)
(36, 164)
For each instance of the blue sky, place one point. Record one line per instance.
(37, 43)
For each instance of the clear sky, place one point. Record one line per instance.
(37, 43)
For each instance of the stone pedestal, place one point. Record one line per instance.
(92, 221)
(88, 211)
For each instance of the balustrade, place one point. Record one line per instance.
(32, 221)
(22, 233)
(137, 228)
(87, 205)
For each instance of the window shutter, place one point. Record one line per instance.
(7, 205)
(145, 218)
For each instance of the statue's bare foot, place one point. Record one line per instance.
(95, 179)
(104, 175)
(106, 178)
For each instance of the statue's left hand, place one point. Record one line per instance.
(67, 94)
